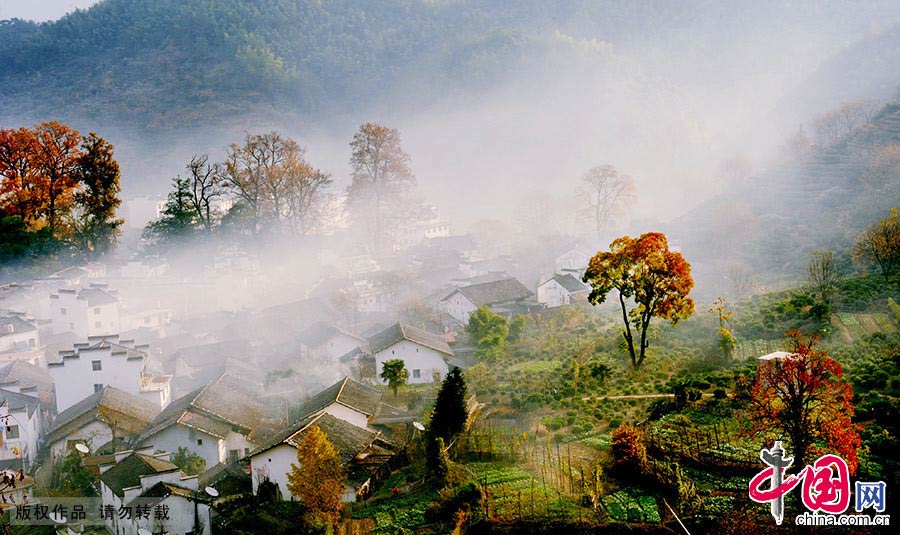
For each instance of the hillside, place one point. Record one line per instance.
(819, 201)
(175, 62)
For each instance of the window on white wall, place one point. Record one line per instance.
(96, 310)
(417, 374)
(98, 387)
(96, 365)
(12, 432)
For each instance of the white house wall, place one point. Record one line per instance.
(75, 379)
(95, 434)
(416, 357)
(348, 415)
(459, 307)
(177, 435)
(274, 464)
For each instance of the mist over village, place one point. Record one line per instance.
(449, 267)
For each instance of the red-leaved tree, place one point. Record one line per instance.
(645, 271)
(805, 396)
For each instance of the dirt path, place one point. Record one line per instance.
(636, 396)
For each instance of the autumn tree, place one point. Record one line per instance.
(805, 396)
(726, 339)
(381, 178)
(56, 160)
(880, 244)
(644, 271)
(94, 223)
(17, 171)
(269, 175)
(607, 193)
(395, 373)
(317, 479)
(823, 274)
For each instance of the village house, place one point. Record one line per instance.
(102, 421)
(325, 343)
(141, 479)
(106, 361)
(502, 296)
(197, 365)
(25, 378)
(20, 416)
(19, 339)
(361, 451)
(561, 290)
(220, 422)
(91, 311)
(425, 354)
(347, 399)
(574, 261)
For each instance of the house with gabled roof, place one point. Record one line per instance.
(21, 430)
(101, 421)
(424, 353)
(326, 342)
(91, 311)
(221, 421)
(561, 289)
(138, 478)
(347, 399)
(26, 378)
(465, 300)
(357, 447)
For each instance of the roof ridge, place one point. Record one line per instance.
(341, 390)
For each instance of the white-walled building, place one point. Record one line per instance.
(220, 422)
(22, 427)
(425, 354)
(325, 343)
(105, 361)
(573, 261)
(561, 290)
(92, 311)
(465, 300)
(109, 416)
(19, 339)
(273, 460)
(139, 478)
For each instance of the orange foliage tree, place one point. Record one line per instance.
(318, 477)
(645, 271)
(54, 178)
(805, 396)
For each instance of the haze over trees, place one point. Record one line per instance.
(608, 193)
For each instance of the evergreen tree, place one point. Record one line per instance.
(179, 219)
(450, 413)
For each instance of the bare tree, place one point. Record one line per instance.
(608, 191)
(206, 186)
(742, 282)
(823, 274)
(841, 121)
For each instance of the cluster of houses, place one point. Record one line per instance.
(132, 366)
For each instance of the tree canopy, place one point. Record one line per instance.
(645, 271)
(317, 478)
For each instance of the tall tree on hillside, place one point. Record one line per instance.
(395, 373)
(607, 192)
(823, 274)
(805, 396)
(450, 413)
(206, 187)
(880, 244)
(838, 123)
(381, 176)
(95, 227)
(317, 478)
(645, 271)
(56, 161)
(304, 191)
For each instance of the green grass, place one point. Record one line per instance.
(632, 505)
